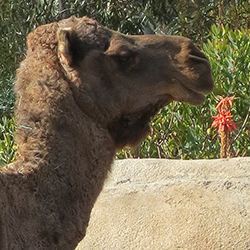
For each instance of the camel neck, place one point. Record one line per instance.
(59, 174)
(62, 136)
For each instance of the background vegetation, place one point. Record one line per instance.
(219, 27)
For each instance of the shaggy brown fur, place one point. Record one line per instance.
(84, 91)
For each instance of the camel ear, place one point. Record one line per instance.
(64, 53)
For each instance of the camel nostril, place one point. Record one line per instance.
(195, 53)
(190, 51)
(199, 58)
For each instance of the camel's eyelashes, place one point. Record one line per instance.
(125, 58)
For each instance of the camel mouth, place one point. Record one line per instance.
(193, 97)
(200, 82)
(199, 98)
(183, 92)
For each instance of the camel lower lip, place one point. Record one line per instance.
(193, 97)
(199, 98)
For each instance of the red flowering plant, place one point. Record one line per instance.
(225, 125)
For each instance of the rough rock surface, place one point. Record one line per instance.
(173, 204)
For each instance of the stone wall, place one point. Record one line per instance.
(173, 204)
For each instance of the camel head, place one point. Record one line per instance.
(121, 81)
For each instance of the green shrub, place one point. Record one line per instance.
(7, 145)
(229, 55)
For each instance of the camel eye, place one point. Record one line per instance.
(124, 58)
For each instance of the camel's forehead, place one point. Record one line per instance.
(81, 24)
(73, 21)
(85, 25)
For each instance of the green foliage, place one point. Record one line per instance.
(235, 14)
(192, 19)
(15, 23)
(7, 145)
(229, 55)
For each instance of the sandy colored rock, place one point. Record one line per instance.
(173, 204)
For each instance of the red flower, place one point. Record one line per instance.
(225, 103)
(223, 121)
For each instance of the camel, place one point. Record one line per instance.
(83, 92)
